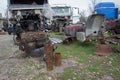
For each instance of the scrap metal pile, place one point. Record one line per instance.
(113, 28)
(31, 41)
(90, 30)
(31, 18)
(28, 21)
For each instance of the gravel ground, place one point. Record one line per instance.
(8, 51)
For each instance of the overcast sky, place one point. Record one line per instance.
(82, 4)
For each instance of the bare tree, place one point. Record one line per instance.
(91, 6)
(82, 16)
(118, 6)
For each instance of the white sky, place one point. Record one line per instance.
(82, 4)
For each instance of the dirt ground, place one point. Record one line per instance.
(8, 61)
(13, 66)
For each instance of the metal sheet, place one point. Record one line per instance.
(93, 25)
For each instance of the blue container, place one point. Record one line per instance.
(104, 4)
(108, 9)
(116, 13)
(110, 13)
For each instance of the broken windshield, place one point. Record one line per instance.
(61, 11)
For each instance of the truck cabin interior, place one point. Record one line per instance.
(38, 2)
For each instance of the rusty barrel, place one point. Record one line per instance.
(57, 59)
(49, 64)
(49, 56)
(103, 49)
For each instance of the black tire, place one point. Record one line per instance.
(9, 33)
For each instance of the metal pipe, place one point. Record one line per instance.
(57, 59)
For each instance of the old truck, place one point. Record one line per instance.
(62, 16)
(28, 18)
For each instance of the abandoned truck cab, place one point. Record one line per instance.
(62, 16)
(27, 18)
(21, 12)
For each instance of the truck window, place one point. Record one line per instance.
(61, 11)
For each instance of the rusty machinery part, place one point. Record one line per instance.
(103, 49)
(57, 59)
(33, 36)
(27, 21)
(68, 40)
(112, 39)
(49, 56)
(94, 38)
(32, 40)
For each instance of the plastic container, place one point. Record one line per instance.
(105, 4)
(108, 9)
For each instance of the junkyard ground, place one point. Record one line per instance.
(78, 63)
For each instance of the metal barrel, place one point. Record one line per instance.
(49, 64)
(49, 56)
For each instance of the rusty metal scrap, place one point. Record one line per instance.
(68, 40)
(49, 57)
(34, 36)
(103, 49)
(94, 38)
(57, 59)
(33, 40)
